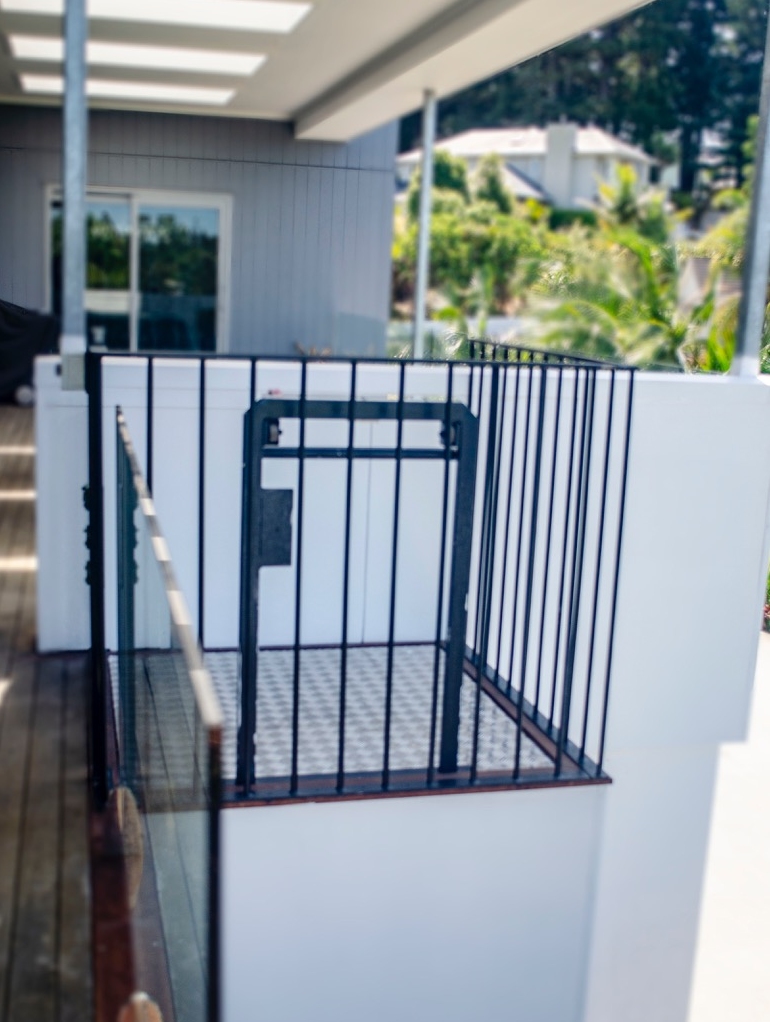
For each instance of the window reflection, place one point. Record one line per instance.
(178, 256)
(174, 288)
(108, 267)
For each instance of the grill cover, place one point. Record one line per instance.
(23, 335)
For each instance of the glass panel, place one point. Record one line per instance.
(107, 298)
(168, 751)
(178, 260)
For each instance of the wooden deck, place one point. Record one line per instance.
(45, 945)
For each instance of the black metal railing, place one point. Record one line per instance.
(361, 521)
(165, 775)
(486, 350)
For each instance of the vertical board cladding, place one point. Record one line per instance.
(312, 221)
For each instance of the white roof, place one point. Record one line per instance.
(511, 142)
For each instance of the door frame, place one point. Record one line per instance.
(136, 197)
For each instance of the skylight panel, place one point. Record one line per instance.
(243, 15)
(36, 48)
(147, 92)
(168, 58)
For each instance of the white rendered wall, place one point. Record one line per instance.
(456, 907)
(61, 472)
(691, 592)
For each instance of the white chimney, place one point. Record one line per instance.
(560, 145)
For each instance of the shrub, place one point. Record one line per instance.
(560, 219)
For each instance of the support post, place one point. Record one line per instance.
(95, 578)
(73, 339)
(423, 240)
(748, 343)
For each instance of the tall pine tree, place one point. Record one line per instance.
(673, 66)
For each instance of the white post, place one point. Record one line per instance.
(423, 238)
(756, 267)
(75, 136)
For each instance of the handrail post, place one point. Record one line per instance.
(748, 342)
(423, 238)
(74, 160)
(467, 437)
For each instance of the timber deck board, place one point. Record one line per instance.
(45, 945)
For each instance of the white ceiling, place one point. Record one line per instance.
(348, 66)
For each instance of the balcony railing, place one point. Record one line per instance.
(428, 568)
(164, 753)
(485, 350)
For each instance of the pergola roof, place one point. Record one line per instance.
(340, 68)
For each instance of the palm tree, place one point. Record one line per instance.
(622, 302)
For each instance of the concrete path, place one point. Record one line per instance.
(732, 968)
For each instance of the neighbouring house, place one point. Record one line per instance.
(562, 164)
(405, 690)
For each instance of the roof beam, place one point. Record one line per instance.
(467, 42)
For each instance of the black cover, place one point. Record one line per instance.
(23, 335)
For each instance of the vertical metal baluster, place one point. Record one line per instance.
(393, 580)
(549, 533)
(150, 381)
(573, 614)
(214, 899)
(599, 549)
(294, 783)
(201, 495)
(247, 751)
(531, 559)
(516, 586)
(95, 534)
(346, 581)
(482, 540)
(492, 546)
(511, 473)
(565, 544)
(613, 611)
(441, 571)
(493, 475)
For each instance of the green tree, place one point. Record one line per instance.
(744, 50)
(489, 184)
(481, 260)
(450, 174)
(724, 243)
(622, 205)
(623, 304)
(670, 66)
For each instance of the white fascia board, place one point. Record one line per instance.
(469, 42)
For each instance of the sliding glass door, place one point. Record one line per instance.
(155, 274)
(108, 270)
(178, 258)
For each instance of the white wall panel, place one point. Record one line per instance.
(457, 907)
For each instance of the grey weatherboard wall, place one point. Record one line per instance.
(312, 221)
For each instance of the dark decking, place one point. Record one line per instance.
(45, 945)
